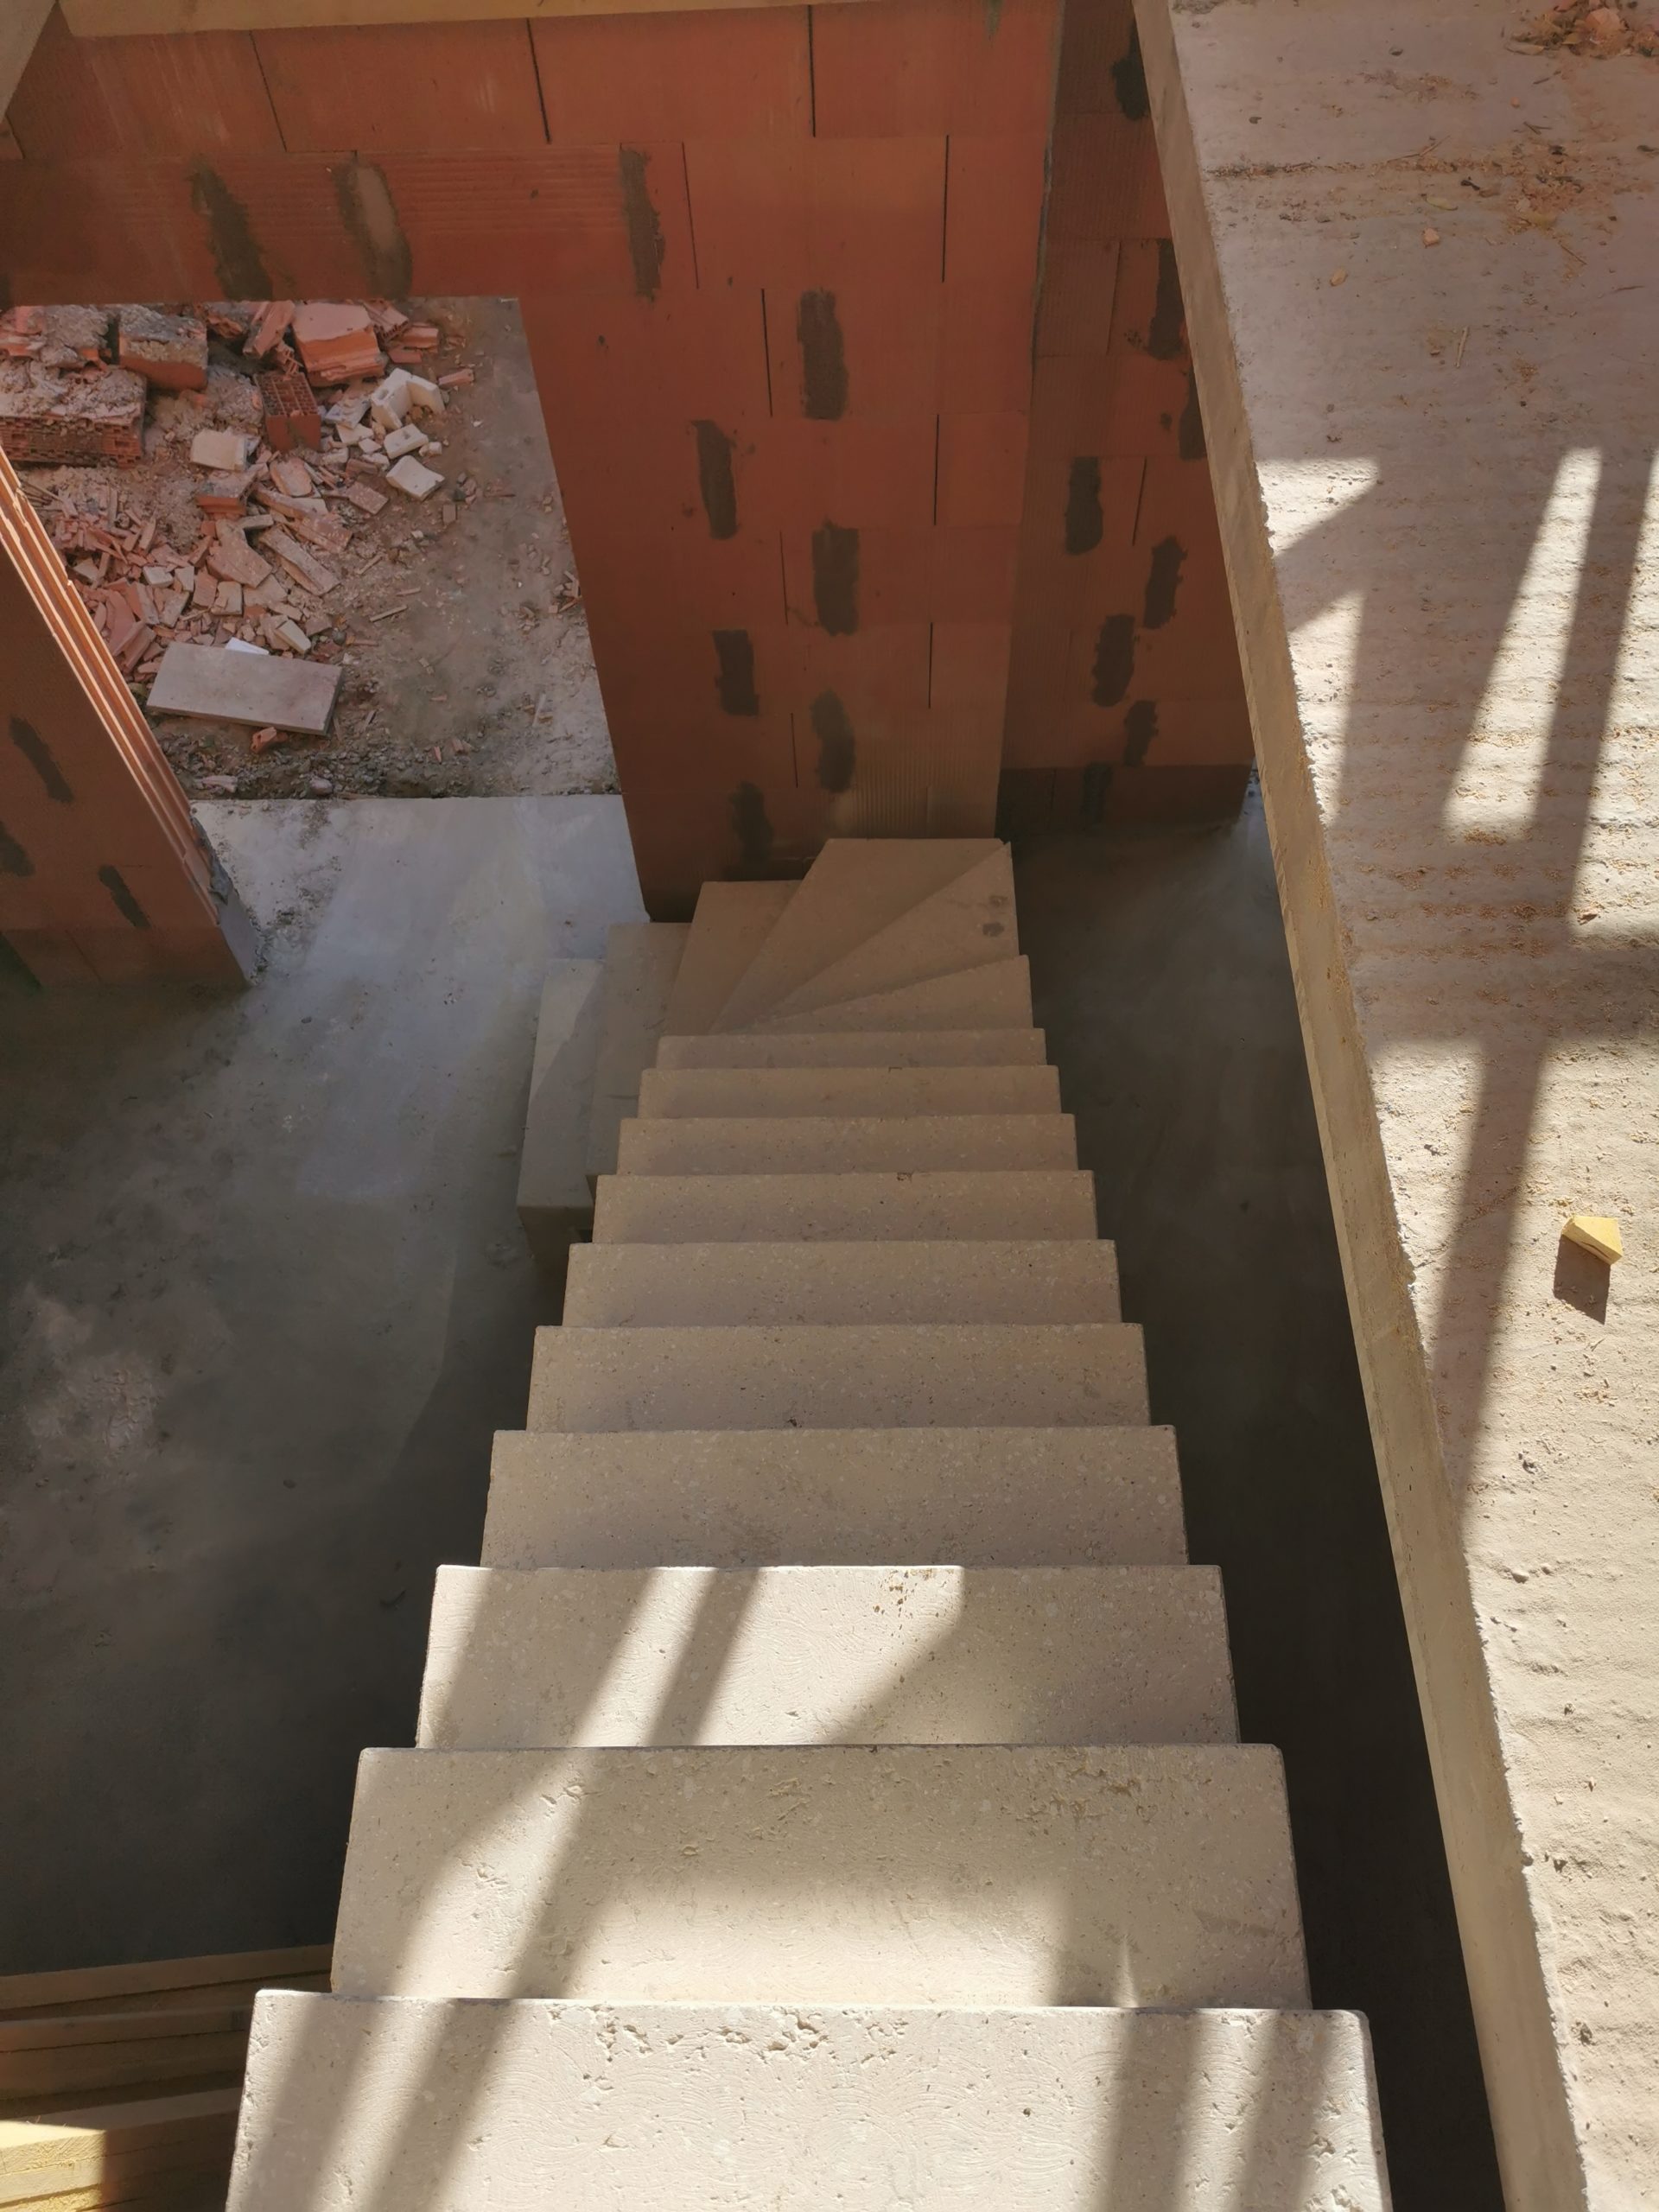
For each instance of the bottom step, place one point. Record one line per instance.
(525, 2104)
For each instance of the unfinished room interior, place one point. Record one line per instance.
(828, 952)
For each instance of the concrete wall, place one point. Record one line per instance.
(779, 271)
(1417, 260)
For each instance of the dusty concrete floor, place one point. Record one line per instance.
(1159, 971)
(265, 1300)
(262, 1300)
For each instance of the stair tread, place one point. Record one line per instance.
(854, 1048)
(649, 1285)
(641, 961)
(689, 1209)
(956, 1374)
(1029, 2109)
(854, 887)
(967, 923)
(731, 921)
(844, 1655)
(733, 1093)
(845, 1144)
(968, 1874)
(1007, 1497)
(995, 997)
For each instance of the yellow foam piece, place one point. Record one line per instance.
(1597, 1233)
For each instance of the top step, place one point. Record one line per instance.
(967, 923)
(733, 921)
(858, 1048)
(856, 886)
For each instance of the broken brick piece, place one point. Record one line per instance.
(336, 342)
(292, 417)
(48, 418)
(366, 497)
(268, 328)
(168, 350)
(232, 558)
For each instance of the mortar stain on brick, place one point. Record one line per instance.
(1140, 728)
(645, 246)
(734, 685)
(1163, 581)
(1092, 800)
(14, 861)
(1169, 312)
(833, 728)
(1191, 445)
(35, 749)
(238, 259)
(750, 826)
(1129, 81)
(1114, 659)
(834, 578)
(125, 905)
(823, 358)
(715, 481)
(1084, 523)
(370, 214)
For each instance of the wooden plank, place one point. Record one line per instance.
(94, 2142)
(32, 2080)
(114, 18)
(21, 23)
(253, 687)
(39, 2031)
(84, 1988)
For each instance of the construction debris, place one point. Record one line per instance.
(336, 343)
(226, 450)
(291, 411)
(58, 415)
(169, 351)
(265, 691)
(412, 477)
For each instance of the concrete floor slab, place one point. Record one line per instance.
(265, 1300)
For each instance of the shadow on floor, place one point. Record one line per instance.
(263, 1298)
(1159, 971)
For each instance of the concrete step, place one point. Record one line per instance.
(854, 887)
(835, 1496)
(987, 1874)
(752, 1209)
(674, 1094)
(723, 1286)
(969, 923)
(997, 997)
(945, 1375)
(641, 961)
(822, 1145)
(556, 1199)
(852, 1048)
(733, 921)
(836, 2108)
(827, 1654)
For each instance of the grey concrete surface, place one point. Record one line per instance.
(1160, 972)
(262, 1300)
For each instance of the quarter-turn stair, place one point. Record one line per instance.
(827, 1792)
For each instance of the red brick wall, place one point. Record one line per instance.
(780, 271)
(1125, 696)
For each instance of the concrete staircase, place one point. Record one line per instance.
(827, 1792)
